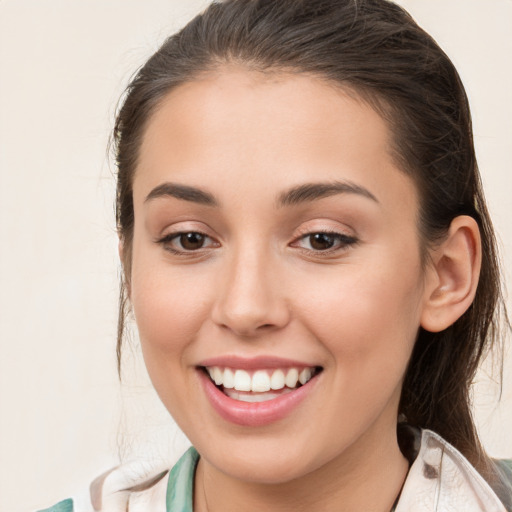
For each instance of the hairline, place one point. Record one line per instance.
(359, 92)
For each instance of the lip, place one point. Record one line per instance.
(258, 414)
(254, 363)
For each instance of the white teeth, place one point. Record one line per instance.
(218, 376)
(255, 397)
(292, 377)
(304, 375)
(260, 381)
(277, 380)
(228, 380)
(242, 381)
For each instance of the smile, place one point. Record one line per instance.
(257, 392)
(259, 385)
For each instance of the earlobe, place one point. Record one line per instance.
(452, 277)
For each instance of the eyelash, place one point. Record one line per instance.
(168, 239)
(340, 242)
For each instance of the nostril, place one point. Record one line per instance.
(251, 314)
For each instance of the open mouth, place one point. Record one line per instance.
(259, 385)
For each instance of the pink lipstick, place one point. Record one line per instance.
(258, 391)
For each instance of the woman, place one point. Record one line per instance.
(310, 262)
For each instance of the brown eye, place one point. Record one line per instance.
(187, 242)
(321, 241)
(325, 241)
(191, 241)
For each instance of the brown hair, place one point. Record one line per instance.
(375, 48)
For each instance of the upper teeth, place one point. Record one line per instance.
(260, 380)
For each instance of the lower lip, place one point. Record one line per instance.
(249, 414)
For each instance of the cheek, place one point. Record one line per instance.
(169, 308)
(368, 317)
(368, 323)
(169, 311)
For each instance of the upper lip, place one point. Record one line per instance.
(254, 363)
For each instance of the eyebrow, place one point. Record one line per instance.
(183, 192)
(296, 195)
(313, 191)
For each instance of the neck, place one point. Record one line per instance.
(367, 476)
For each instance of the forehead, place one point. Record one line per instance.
(270, 129)
(241, 103)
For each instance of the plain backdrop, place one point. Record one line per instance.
(64, 416)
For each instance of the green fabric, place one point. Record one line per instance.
(62, 506)
(503, 486)
(506, 467)
(180, 488)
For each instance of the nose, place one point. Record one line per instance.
(250, 298)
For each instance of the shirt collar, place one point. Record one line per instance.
(180, 487)
(440, 478)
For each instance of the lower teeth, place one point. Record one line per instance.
(254, 397)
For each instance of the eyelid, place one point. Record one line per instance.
(324, 226)
(176, 234)
(175, 231)
(345, 239)
(184, 226)
(170, 244)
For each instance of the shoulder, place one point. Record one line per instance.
(139, 486)
(441, 478)
(132, 487)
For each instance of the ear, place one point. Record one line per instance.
(452, 276)
(122, 257)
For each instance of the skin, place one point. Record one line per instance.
(258, 287)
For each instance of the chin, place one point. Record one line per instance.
(266, 470)
(262, 461)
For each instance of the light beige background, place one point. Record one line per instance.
(64, 418)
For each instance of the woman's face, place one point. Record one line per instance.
(275, 237)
